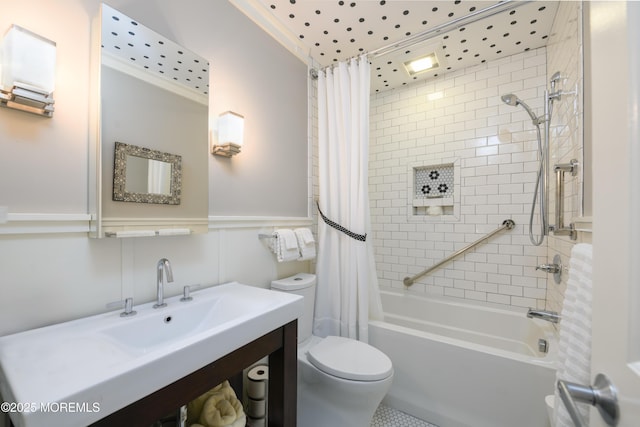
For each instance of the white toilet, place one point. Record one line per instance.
(341, 381)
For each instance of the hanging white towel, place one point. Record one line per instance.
(286, 245)
(574, 346)
(307, 244)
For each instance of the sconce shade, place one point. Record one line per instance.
(28, 59)
(28, 72)
(230, 134)
(230, 128)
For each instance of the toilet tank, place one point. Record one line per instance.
(301, 284)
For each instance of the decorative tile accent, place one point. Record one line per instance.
(434, 181)
(386, 416)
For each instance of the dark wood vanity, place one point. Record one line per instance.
(281, 347)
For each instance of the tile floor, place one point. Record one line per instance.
(386, 416)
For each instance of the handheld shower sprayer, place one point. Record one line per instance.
(511, 99)
(539, 192)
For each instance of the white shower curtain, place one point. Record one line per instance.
(347, 293)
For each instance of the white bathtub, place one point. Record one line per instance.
(458, 364)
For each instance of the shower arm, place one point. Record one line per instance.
(506, 224)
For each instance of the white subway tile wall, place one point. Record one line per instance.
(459, 117)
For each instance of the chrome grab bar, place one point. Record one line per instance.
(602, 395)
(559, 228)
(506, 224)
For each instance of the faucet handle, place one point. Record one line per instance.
(186, 292)
(550, 268)
(126, 303)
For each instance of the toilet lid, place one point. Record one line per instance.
(350, 359)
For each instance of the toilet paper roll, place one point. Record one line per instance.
(257, 422)
(257, 389)
(259, 373)
(257, 384)
(256, 408)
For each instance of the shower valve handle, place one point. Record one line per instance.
(549, 268)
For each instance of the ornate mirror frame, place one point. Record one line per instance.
(120, 193)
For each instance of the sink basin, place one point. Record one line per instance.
(157, 329)
(150, 329)
(102, 363)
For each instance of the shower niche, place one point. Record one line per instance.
(434, 190)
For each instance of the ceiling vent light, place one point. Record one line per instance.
(422, 64)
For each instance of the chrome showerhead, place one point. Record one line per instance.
(511, 99)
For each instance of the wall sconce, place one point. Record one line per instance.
(28, 72)
(230, 134)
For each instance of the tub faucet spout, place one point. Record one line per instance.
(164, 269)
(549, 316)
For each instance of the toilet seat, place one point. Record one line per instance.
(350, 359)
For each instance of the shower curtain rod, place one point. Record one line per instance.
(448, 26)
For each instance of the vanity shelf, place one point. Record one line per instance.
(281, 347)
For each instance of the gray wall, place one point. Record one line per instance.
(250, 74)
(54, 276)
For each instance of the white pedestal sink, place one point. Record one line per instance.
(78, 372)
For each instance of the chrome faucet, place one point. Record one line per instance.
(555, 268)
(549, 268)
(549, 316)
(164, 269)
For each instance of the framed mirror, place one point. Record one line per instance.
(143, 175)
